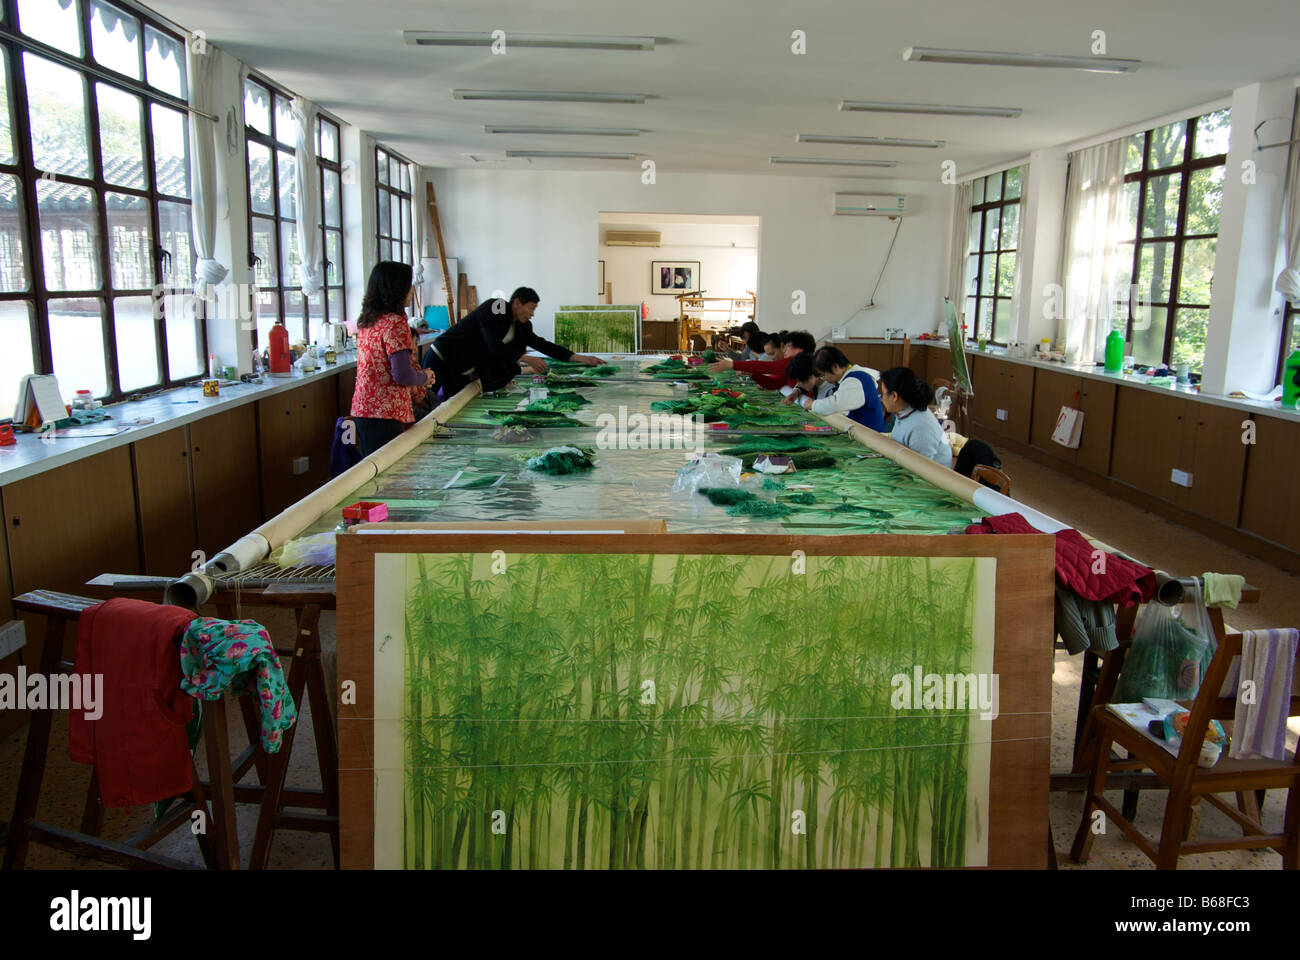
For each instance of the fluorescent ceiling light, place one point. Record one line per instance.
(568, 155)
(568, 131)
(554, 41)
(866, 141)
(549, 96)
(999, 59)
(873, 106)
(831, 162)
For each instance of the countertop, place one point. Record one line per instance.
(1272, 409)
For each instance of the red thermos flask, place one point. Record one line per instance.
(279, 359)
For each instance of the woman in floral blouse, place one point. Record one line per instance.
(381, 401)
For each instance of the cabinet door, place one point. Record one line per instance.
(1098, 406)
(347, 381)
(984, 374)
(275, 436)
(919, 360)
(1018, 397)
(880, 356)
(1148, 441)
(223, 450)
(856, 352)
(316, 413)
(162, 488)
(1052, 391)
(1269, 508)
(1218, 462)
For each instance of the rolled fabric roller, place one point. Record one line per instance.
(1169, 590)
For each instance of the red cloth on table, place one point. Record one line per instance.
(768, 374)
(138, 744)
(1124, 582)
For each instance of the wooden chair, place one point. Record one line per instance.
(994, 477)
(1188, 783)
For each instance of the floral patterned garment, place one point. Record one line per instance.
(376, 395)
(220, 654)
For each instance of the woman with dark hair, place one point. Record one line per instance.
(770, 374)
(381, 400)
(908, 398)
(855, 393)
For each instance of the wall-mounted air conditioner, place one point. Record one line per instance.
(869, 205)
(632, 238)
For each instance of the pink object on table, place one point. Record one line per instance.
(366, 512)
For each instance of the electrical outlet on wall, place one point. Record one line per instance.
(301, 465)
(1003, 415)
(13, 637)
(1180, 477)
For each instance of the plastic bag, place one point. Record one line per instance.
(707, 470)
(315, 550)
(1172, 647)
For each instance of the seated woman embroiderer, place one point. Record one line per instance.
(381, 400)
(908, 397)
(770, 374)
(490, 343)
(804, 381)
(855, 393)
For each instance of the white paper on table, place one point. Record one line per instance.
(787, 390)
(1274, 394)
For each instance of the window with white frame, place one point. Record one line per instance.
(395, 206)
(991, 242)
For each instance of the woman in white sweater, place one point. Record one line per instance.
(908, 398)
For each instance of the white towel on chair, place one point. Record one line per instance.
(1268, 663)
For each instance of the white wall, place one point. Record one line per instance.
(727, 254)
(539, 228)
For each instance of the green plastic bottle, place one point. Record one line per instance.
(1291, 380)
(1114, 352)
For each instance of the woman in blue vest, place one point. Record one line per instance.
(855, 393)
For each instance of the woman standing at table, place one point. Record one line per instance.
(381, 400)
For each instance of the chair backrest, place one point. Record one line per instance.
(974, 453)
(991, 477)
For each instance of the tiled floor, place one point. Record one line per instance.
(1150, 538)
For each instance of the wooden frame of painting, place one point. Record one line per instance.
(671, 277)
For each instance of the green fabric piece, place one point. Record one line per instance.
(725, 496)
(563, 460)
(682, 374)
(709, 356)
(553, 380)
(559, 402)
(217, 655)
(758, 508)
(1223, 589)
(869, 511)
(768, 445)
(803, 498)
(539, 418)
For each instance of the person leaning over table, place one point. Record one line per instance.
(381, 400)
(490, 343)
(856, 395)
(770, 374)
(803, 380)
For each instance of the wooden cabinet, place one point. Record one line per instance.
(1053, 390)
(1268, 507)
(163, 493)
(290, 426)
(347, 382)
(659, 335)
(1098, 406)
(223, 451)
(1148, 443)
(918, 360)
(1004, 397)
(1217, 460)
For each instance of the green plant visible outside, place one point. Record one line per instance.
(629, 712)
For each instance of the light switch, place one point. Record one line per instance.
(301, 465)
(1003, 415)
(1180, 477)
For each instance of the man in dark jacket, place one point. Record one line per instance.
(490, 344)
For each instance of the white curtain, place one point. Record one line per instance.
(957, 249)
(1091, 254)
(1288, 281)
(311, 270)
(419, 211)
(204, 77)
(1018, 328)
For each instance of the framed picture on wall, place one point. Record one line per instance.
(674, 276)
(600, 278)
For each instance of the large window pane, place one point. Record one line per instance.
(1197, 272)
(16, 357)
(1204, 200)
(257, 107)
(395, 226)
(330, 208)
(1160, 209)
(1168, 144)
(1013, 184)
(385, 250)
(329, 141)
(315, 315)
(121, 137)
(69, 219)
(128, 241)
(268, 314)
(1149, 335)
(137, 343)
(289, 256)
(266, 270)
(1006, 274)
(977, 192)
(381, 166)
(383, 218)
(334, 256)
(394, 177)
(988, 273)
(336, 305)
(1212, 132)
(77, 346)
(285, 128)
(56, 98)
(1155, 267)
(1133, 158)
(53, 22)
(171, 151)
(1001, 320)
(294, 316)
(986, 318)
(974, 232)
(288, 185)
(259, 178)
(6, 115)
(1189, 337)
(1129, 210)
(184, 347)
(164, 63)
(115, 38)
(992, 187)
(14, 277)
(174, 237)
(972, 274)
(1010, 231)
(992, 228)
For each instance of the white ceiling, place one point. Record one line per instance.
(727, 91)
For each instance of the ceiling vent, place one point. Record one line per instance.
(632, 238)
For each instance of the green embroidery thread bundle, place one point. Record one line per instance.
(511, 435)
(759, 508)
(726, 496)
(559, 401)
(666, 366)
(803, 498)
(554, 380)
(768, 445)
(561, 461)
(538, 418)
(709, 356)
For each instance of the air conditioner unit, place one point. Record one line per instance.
(869, 205)
(632, 238)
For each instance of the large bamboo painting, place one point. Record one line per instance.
(618, 711)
